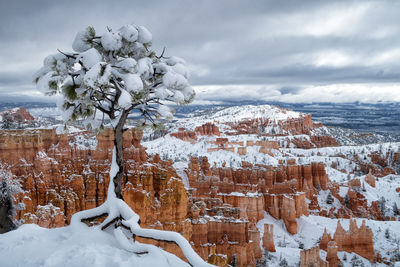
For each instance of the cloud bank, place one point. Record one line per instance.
(278, 50)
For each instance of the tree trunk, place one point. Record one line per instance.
(118, 144)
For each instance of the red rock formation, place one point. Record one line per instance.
(264, 144)
(370, 179)
(287, 208)
(358, 240)
(268, 238)
(19, 114)
(313, 142)
(354, 182)
(217, 259)
(302, 125)
(254, 237)
(221, 141)
(331, 256)
(378, 159)
(241, 151)
(311, 257)
(323, 141)
(396, 157)
(251, 208)
(294, 126)
(185, 135)
(281, 187)
(230, 237)
(207, 129)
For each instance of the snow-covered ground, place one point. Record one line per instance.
(48, 112)
(173, 148)
(169, 147)
(32, 246)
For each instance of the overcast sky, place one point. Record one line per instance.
(291, 51)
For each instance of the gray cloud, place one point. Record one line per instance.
(281, 43)
(289, 90)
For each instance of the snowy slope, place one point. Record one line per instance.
(32, 246)
(169, 147)
(238, 113)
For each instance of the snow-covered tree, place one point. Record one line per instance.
(382, 205)
(346, 200)
(356, 262)
(107, 77)
(7, 121)
(387, 233)
(8, 188)
(19, 121)
(395, 209)
(283, 263)
(234, 261)
(111, 75)
(329, 198)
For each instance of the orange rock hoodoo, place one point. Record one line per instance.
(358, 240)
(311, 257)
(370, 179)
(268, 238)
(205, 129)
(331, 255)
